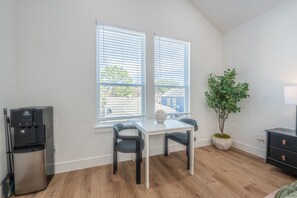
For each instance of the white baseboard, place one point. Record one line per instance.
(203, 142)
(107, 159)
(82, 163)
(1, 192)
(250, 149)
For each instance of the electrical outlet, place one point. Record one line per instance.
(260, 138)
(56, 148)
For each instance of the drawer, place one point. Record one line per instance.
(282, 155)
(283, 141)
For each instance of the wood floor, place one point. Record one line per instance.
(218, 174)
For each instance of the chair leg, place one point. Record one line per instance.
(188, 157)
(138, 171)
(115, 161)
(166, 145)
(188, 151)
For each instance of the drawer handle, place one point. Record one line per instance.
(284, 142)
(284, 158)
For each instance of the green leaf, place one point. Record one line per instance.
(224, 93)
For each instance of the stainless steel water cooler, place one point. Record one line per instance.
(33, 148)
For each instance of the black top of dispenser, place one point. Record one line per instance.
(31, 116)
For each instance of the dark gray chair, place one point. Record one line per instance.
(127, 144)
(182, 138)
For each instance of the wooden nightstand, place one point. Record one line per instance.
(282, 149)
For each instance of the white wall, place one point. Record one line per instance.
(57, 64)
(264, 52)
(8, 70)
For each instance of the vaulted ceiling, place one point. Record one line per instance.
(228, 14)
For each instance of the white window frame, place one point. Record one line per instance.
(187, 79)
(142, 84)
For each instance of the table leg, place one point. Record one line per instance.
(147, 162)
(192, 152)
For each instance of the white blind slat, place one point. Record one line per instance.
(171, 59)
(120, 67)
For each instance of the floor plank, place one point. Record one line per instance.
(232, 173)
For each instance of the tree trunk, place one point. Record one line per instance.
(221, 125)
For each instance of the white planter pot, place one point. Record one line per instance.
(221, 143)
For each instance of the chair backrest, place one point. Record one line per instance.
(117, 128)
(191, 122)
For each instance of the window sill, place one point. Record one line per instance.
(103, 128)
(106, 128)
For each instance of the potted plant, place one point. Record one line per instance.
(223, 96)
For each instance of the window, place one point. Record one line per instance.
(171, 75)
(120, 73)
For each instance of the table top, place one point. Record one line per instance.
(284, 131)
(150, 126)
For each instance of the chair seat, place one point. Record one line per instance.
(128, 146)
(181, 138)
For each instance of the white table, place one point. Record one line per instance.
(151, 127)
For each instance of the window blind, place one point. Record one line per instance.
(120, 73)
(171, 60)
